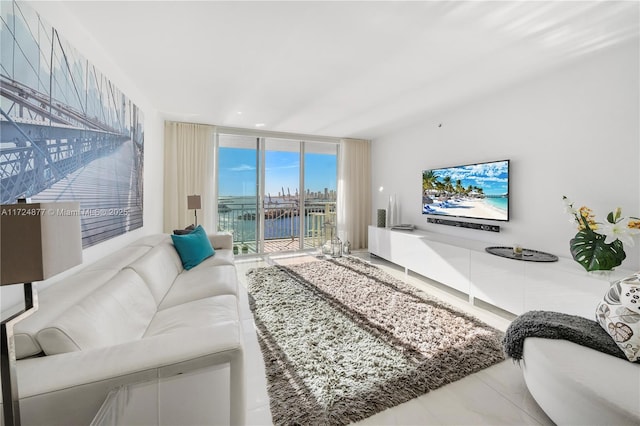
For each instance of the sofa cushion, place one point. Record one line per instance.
(117, 312)
(199, 313)
(222, 257)
(201, 282)
(619, 315)
(53, 301)
(119, 259)
(150, 240)
(184, 231)
(221, 240)
(159, 268)
(193, 247)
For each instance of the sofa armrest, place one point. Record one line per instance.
(160, 353)
(49, 385)
(599, 389)
(221, 241)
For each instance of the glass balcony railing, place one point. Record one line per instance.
(239, 216)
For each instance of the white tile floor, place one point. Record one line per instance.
(494, 396)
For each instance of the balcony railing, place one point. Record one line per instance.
(281, 222)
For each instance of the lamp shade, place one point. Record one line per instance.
(193, 202)
(38, 240)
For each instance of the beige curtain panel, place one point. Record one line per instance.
(189, 154)
(354, 191)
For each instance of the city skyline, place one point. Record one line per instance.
(237, 172)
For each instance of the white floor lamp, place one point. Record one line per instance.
(37, 241)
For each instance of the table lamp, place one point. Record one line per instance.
(37, 241)
(193, 203)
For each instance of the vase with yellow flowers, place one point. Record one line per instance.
(602, 250)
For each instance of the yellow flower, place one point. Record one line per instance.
(587, 215)
(616, 227)
(634, 224)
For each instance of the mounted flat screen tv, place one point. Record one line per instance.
(474, 191)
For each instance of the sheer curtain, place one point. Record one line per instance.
(189, 154)
(354, 191)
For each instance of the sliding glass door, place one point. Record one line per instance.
(320, 191)
(281, 202)
(276, 194)
(238, 190)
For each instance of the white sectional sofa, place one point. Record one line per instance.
(135, 316)
(577, 385)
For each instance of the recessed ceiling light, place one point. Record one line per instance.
(259, 124)
(239, 112)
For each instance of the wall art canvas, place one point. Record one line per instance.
(66, 131)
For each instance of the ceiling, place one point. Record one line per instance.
(347, 69)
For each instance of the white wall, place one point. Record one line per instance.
(573, 131)
(78, 36)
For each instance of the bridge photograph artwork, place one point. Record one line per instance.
(66, 131)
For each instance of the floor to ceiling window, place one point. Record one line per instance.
(276, 193)
(237, 179)
(320, 195)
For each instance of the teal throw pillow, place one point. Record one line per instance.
(193, 248)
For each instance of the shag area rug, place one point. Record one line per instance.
(343, 340)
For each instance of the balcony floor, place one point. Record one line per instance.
(283, 245)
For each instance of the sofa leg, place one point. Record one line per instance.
(238, 400)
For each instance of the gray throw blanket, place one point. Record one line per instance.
(556, 325)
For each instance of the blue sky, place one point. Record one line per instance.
(237, 171)
(493, 177)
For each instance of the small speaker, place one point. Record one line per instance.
(382, 218)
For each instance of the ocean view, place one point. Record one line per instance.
(275, 168)
(239, 215)
(499, 203)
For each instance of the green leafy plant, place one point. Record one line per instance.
(602, 250)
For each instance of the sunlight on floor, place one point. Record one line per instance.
(494, 396)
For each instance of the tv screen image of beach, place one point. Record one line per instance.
(476, 191)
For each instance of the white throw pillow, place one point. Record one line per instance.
(619, 315)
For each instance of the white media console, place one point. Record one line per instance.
(516, 286)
